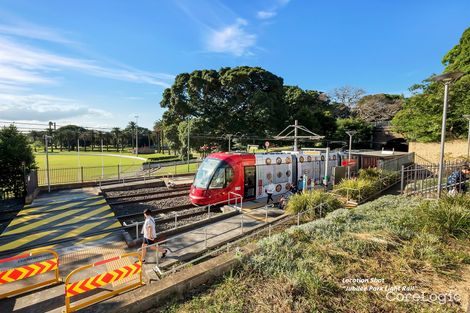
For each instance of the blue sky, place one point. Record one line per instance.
(100, 63)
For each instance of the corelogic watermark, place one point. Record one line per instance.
(441, 298)
(397, 293)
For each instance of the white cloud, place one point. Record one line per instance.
(264, 15)
(233, 39)
(40, 107)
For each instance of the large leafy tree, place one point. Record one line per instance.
(378, 107)
(311, 108)
(421, 116)
(16, 158)
(361, 139)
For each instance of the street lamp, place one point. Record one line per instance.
(136, 136)
(467, 116)
(351, 133)
(446, 79)
(46, 138)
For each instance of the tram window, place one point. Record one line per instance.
(218, 181)
(228, 176)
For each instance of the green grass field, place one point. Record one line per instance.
(70, 159)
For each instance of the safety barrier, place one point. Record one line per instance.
(27, 271)
(79, 287)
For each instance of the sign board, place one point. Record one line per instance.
(266, 144)
(348, 162)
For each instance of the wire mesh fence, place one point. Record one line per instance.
(82, 174)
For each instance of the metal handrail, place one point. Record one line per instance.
(228, 244)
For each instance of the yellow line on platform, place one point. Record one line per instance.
(33, 225)
(82, 217)
(84, 228)
(24, 240)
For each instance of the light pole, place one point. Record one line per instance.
(467, 116)
(189, 129)
(136, 136)
(351, 133)
(446, 79)
(46, 138)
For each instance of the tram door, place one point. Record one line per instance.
(250, 182)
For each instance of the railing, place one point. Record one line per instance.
(422, 179)
(98, 174)
(226, 247)
(97, 281)
(236, 198)
(396, 163)
(11, 275)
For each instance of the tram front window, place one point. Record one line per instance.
(205, 172)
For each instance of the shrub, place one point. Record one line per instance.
(309, 200)
(450, 216)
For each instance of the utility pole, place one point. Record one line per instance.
(229, 141)
(296, 125)
(102, 162)
(467, 116)
(136, 136)
(351, 133)
(285, 134)
(189, 127)
(46, 138)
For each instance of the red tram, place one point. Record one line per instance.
(247, 174)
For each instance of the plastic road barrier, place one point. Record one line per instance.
(27, 271)
(94, 282)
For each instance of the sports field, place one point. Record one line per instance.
(73, 159)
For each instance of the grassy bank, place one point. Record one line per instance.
(392, 242)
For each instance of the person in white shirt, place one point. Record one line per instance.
(269, 191)
(150, 234)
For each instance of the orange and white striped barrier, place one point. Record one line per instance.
(27, 271)
(91, 283)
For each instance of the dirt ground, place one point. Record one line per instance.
(454, 150)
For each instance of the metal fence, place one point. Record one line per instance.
(395, 165)
(422, 179)
(62, 176)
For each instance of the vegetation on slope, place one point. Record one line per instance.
(396, 240)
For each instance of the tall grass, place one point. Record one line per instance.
(309, 202)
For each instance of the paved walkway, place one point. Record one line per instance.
(54, 217)
(187, 245)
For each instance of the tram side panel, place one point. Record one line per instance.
(312, 168)
(276, 168)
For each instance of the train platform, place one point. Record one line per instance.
(60, 219)
(195, 242)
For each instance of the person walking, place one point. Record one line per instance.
(269, 191)
(150, 234)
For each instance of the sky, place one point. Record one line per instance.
(102, 63)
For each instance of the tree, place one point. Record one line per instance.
(421, 116)
(310, 108)
(347, 96)
(379, 107)
(16, 158)
(362, 138)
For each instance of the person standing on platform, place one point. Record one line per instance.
(269, 191)
(300, 184)
(150, 233)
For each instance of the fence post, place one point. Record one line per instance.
(205, 237)
(402, 179)
(119, 171)
(269, 230)
(242, 222)
(137, 230)
(82, 172)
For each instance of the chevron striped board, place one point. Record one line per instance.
(26, 271)
(98, 281)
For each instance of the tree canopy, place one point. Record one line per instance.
(378, 107)
(16, 158)
(421, 115)
(247, 101)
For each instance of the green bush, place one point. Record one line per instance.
(369, 182)
(450, 216)
(309, 200)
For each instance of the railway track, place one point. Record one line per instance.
(160, 192)
(148, 199)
